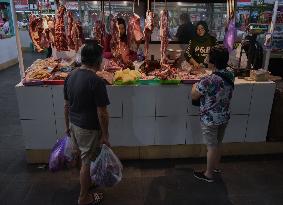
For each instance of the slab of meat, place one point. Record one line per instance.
(148, 29)
(111, 66)
(70, 20)
(166, 72)
(50, 30)
(106, 75)
(114, 43)
(61, 43)
(35, 32)
(164, 31)
(99, 31)
(77, 35)
(134, 32)
(107, 43)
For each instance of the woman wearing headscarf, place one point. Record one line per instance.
(199, 47)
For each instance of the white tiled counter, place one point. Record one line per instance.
(148, 115)
(8, 52)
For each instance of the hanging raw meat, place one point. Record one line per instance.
(114, 43)
(99, 31)
(70, 39)
(77, 35)
(107, 36)
(61, 43)
(107, 42)
(134, 32)
(50, 31)
(148, 29)
(164, 30)
(36, 32)
(44, 31)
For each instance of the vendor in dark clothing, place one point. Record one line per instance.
(186, 30)
(122, 29)
(199, 47)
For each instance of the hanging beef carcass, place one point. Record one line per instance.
(107, 42)
(70, 39)
(114, 43)
(164, 30)
(50, 30)
(148, 29)
(99, 31)
(35, 32)
(77, 35)
(134, 32)
(61, 43)
(44, 32)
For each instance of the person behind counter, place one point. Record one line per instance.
(86, 115)
(122, 30)
(186, 30)
(199, 47)
(127, 55)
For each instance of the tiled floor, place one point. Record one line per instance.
(245, 180)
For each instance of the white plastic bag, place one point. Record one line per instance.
(68, 149)
(106, 170)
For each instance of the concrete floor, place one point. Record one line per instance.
(245, 180)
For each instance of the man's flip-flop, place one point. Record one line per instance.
(97, 198)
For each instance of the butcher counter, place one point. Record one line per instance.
(156, 121)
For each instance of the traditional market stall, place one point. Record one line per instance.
(151, 114)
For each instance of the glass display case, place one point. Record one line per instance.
(213, 13)
(90, 12)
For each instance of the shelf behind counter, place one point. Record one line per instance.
(144, 117)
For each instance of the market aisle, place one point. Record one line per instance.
(166, 182)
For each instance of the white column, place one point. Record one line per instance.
(271, 29)
(19, 45)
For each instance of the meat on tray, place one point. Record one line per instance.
(111, 66)
(106, 75)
